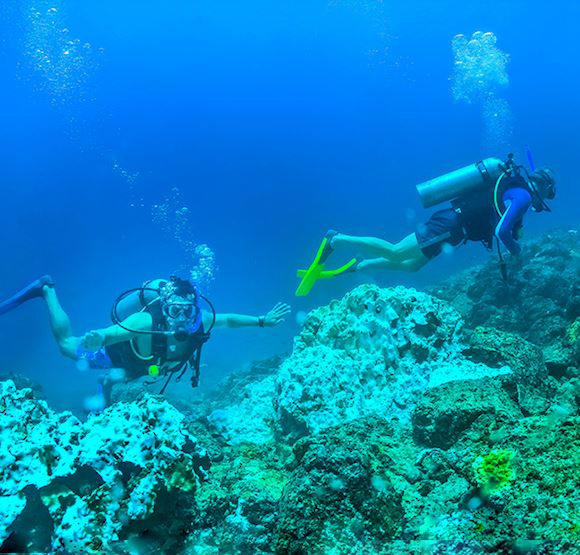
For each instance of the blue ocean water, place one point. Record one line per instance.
(269, 122)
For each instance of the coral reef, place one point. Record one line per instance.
(539, 301)
(370, 353)
(22, 382)
(100, 481)
(346, 489)
(405, 402)
(402, 422)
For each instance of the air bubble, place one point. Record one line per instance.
(61, 64)
(479, 76)
(301, 316)
(94, 404)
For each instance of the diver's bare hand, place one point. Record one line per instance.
(92, 341)
(276, 315)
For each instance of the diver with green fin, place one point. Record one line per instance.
(158, 329)
(488, 200)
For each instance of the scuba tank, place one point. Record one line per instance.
(470, 179)
(138, 299)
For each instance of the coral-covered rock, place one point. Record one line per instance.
(541, 298)
(512, 379)
(374, 352)
(11, 506)
(100, 480)
(23, 382)
(240, 502)
(36, 444)
(249, 420)
(530, 376)
(447, 411)
(346, 490)
(242, 409)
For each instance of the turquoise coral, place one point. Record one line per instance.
(134, 451)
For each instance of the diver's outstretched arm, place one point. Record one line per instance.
(129, 328)
(272, 318)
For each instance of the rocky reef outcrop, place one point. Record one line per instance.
(540, 300)
(402, 422)
(84, 486)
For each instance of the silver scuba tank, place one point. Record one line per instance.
(469, 179)
(139, 299)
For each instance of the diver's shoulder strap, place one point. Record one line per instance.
(158, 324)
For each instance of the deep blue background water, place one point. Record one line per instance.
(276, 121)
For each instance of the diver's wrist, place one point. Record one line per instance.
(103, 342)
(261, 321)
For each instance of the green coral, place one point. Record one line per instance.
(494, 470)
(182, 475)
(573, 332)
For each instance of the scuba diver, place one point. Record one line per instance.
(488, 200)
(158, 329)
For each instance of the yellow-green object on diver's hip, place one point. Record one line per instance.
(316, 271)
(154, 370)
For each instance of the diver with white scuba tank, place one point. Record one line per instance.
(488, 200)
(158, 329)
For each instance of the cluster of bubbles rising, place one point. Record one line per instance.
(60, 62)
(60, 65)
(479, 77)
(175, 219)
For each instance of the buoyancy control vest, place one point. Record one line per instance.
(476, 194)
(168, 352)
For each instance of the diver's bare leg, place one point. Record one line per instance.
(60, 324)
(406, 249)
(409, 258)
(372, 246)
(409, 265)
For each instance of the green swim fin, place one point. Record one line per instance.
(316, 271)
